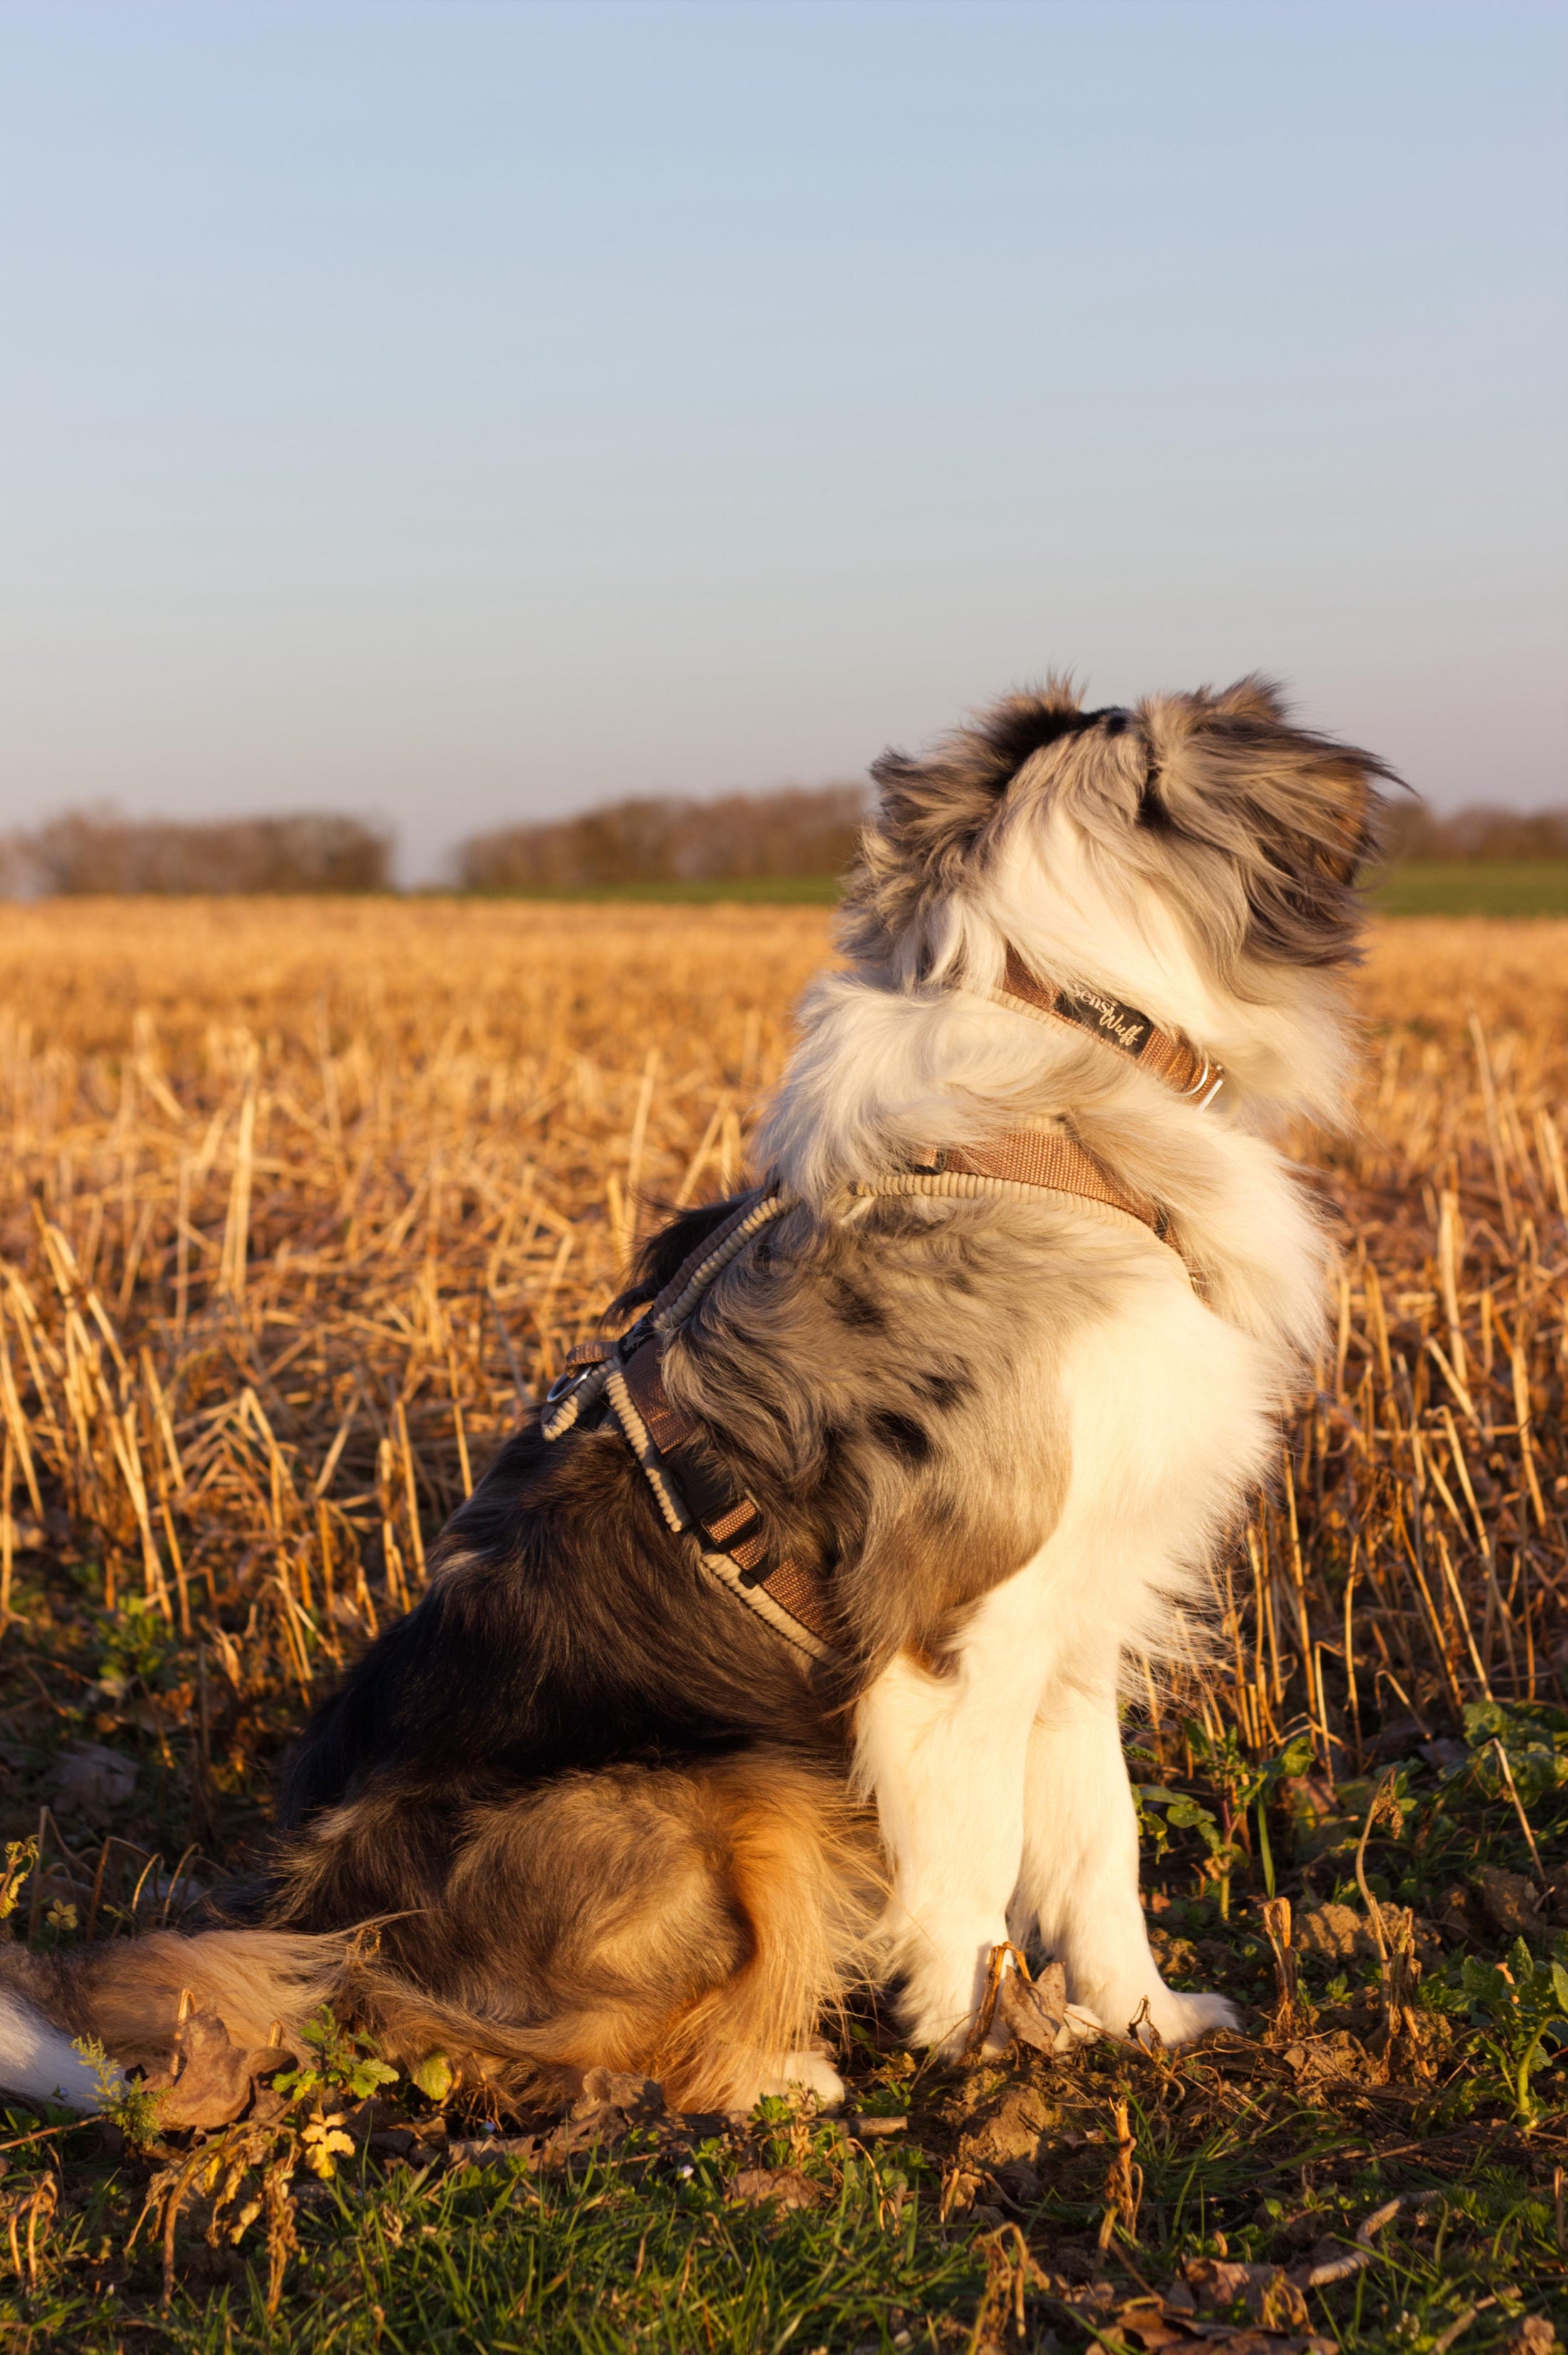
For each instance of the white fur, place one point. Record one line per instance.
(999, 1783)
(808, 2071)
(39, 2060)
(1054, 899)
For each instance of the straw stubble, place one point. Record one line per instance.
(301, 1200)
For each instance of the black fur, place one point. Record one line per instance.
(902, 1437)
(514, 1668)
(855, 1309)
(566, 1629)
(665, 1251)
(1023, 726)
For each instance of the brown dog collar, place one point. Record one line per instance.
(1168, 1054)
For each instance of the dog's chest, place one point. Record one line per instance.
(1171, 1413)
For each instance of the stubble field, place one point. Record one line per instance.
(301, 1200)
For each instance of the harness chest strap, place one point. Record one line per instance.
(1052, 1162)
(1034, 1160)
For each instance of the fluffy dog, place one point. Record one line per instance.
(601, 1813)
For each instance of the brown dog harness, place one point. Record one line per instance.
(693, 1499)
(1024, 1161)
(624, 1379)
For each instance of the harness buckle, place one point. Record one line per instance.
(632, 1339)
(1207, 1085)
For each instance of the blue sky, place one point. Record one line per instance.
(464, 412)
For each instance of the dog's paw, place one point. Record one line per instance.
(952, 2047)
(809, 2072)
(1083, 2026)
(937, 2010)
(944, 2031)
(1178, 2018)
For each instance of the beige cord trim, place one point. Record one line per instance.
(772, 1206)
(719, 1567)
(960, 1185)
(665, 1313)
(723, 1572)
(636, 1435)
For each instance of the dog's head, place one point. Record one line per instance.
(1210, 817)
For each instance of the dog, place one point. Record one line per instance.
(987, 1365)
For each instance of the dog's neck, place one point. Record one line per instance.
(946, 1051)
(1050, 899)
(1165, 1055)
(885, 1068)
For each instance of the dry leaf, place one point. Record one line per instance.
(1533, 2335)
(782, 2187)
(1035, 2010)
(210, 2079)
(639, 2099)
(1267, 2293)
(325, 2143)
(1151, 2331)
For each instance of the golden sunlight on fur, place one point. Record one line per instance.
(324, 1190)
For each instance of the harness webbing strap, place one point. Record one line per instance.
(588, 1367)
(728, 1520)
(1022, 1162)
(1056, 1163)
(1166, 1054)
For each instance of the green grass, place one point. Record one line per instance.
(1246, 2152)
(1475, 888)
(1451, 888)
(495, 2258)
(745, 891)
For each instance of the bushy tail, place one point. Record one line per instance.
(687, 1924)
(711, 1916)
(128, 1994)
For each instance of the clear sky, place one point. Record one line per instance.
(461, 412)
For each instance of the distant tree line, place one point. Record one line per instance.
(99, 850)
(1414, 831)
(798, 830)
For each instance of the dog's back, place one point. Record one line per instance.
(993, 1375)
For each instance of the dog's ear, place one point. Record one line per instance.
(1295, 813)
(935, 816)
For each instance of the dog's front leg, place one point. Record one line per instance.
(1079, 1886)
(945, 1756)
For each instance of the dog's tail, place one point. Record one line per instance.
(125, 1999)
(690, 1924)
(128, 1995)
